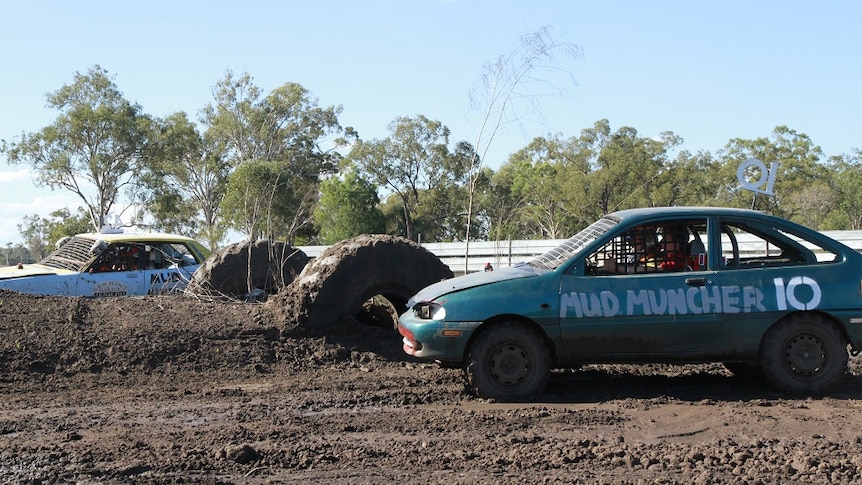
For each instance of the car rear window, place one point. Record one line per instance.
(562, 253)
(73, 255)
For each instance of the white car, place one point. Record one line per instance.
(110, 264)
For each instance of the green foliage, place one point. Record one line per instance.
(42, 234)
(412, 163)
(846, 181)
(348, 207)
(261, 201)
(283, 130)
(94, 145)
(798, 158)
(184, 184)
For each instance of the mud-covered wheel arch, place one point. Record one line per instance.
(333, 288)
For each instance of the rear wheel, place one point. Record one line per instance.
(508, 362)
(803, 354)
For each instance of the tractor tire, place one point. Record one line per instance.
(333, 288)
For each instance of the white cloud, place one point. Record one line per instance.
(13, 212)
(15, 176)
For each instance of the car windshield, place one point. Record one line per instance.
(73, 255)
(555, 257)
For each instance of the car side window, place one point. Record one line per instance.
(745, 246)
(159, 256)
(666, 246)
(118, 257)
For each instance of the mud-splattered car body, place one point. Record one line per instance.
(749, 290)
(110, 264)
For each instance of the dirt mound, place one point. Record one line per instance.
(236, 270)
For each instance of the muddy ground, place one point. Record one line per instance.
(181, 390)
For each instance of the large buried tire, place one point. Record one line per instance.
(247, 271)
(333, 288)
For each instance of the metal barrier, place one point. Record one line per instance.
(507, 253)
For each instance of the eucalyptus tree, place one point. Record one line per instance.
(284, 129)
(509, 91)
(186, 180)
(94, 148)
(799, 167)
(548, 180)
(846, 179)
(410, 163)
(42, 233)
(348, 207)
(627, 167)
(689, 179)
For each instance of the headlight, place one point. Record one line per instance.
(429, 311)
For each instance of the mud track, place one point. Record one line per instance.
(179, 390)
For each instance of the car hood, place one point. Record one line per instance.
(472, 280)
(9, 272)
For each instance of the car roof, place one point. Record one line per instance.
(685, 211)
(111, 237)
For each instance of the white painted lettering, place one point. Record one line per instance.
(570, 301)
(658, 305)
(791, 293)
(752, 299)
(610, 304)
(590, 305)
(637, 299)
(730, 299)
(780, 299)
(691, 294)
(676, 302)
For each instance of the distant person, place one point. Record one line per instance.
(488, 267)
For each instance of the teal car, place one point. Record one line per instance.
(760, 294)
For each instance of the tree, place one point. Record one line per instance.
(628, 168)
(259, 200)
(411, 161)
(186, 181)
(285, 129)
(348, 208)
(548, 178)
(798, 158)
(96, 143)
(846, 180)
(41, 234)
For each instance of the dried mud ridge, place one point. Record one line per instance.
(182, 390)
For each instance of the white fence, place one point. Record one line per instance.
(507, 253)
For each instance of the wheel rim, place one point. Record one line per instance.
(510, 365)
(805, 355)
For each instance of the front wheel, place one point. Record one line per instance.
(803, 354)
(508, 362)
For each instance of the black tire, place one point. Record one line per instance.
(508, 362)
(333, 288)
(804, 354)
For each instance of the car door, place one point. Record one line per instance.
(768, 272)
(169, 267)
(618, 303)
(116, 271)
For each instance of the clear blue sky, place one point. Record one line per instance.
(708, 71)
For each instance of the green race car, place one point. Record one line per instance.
(663, 285)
